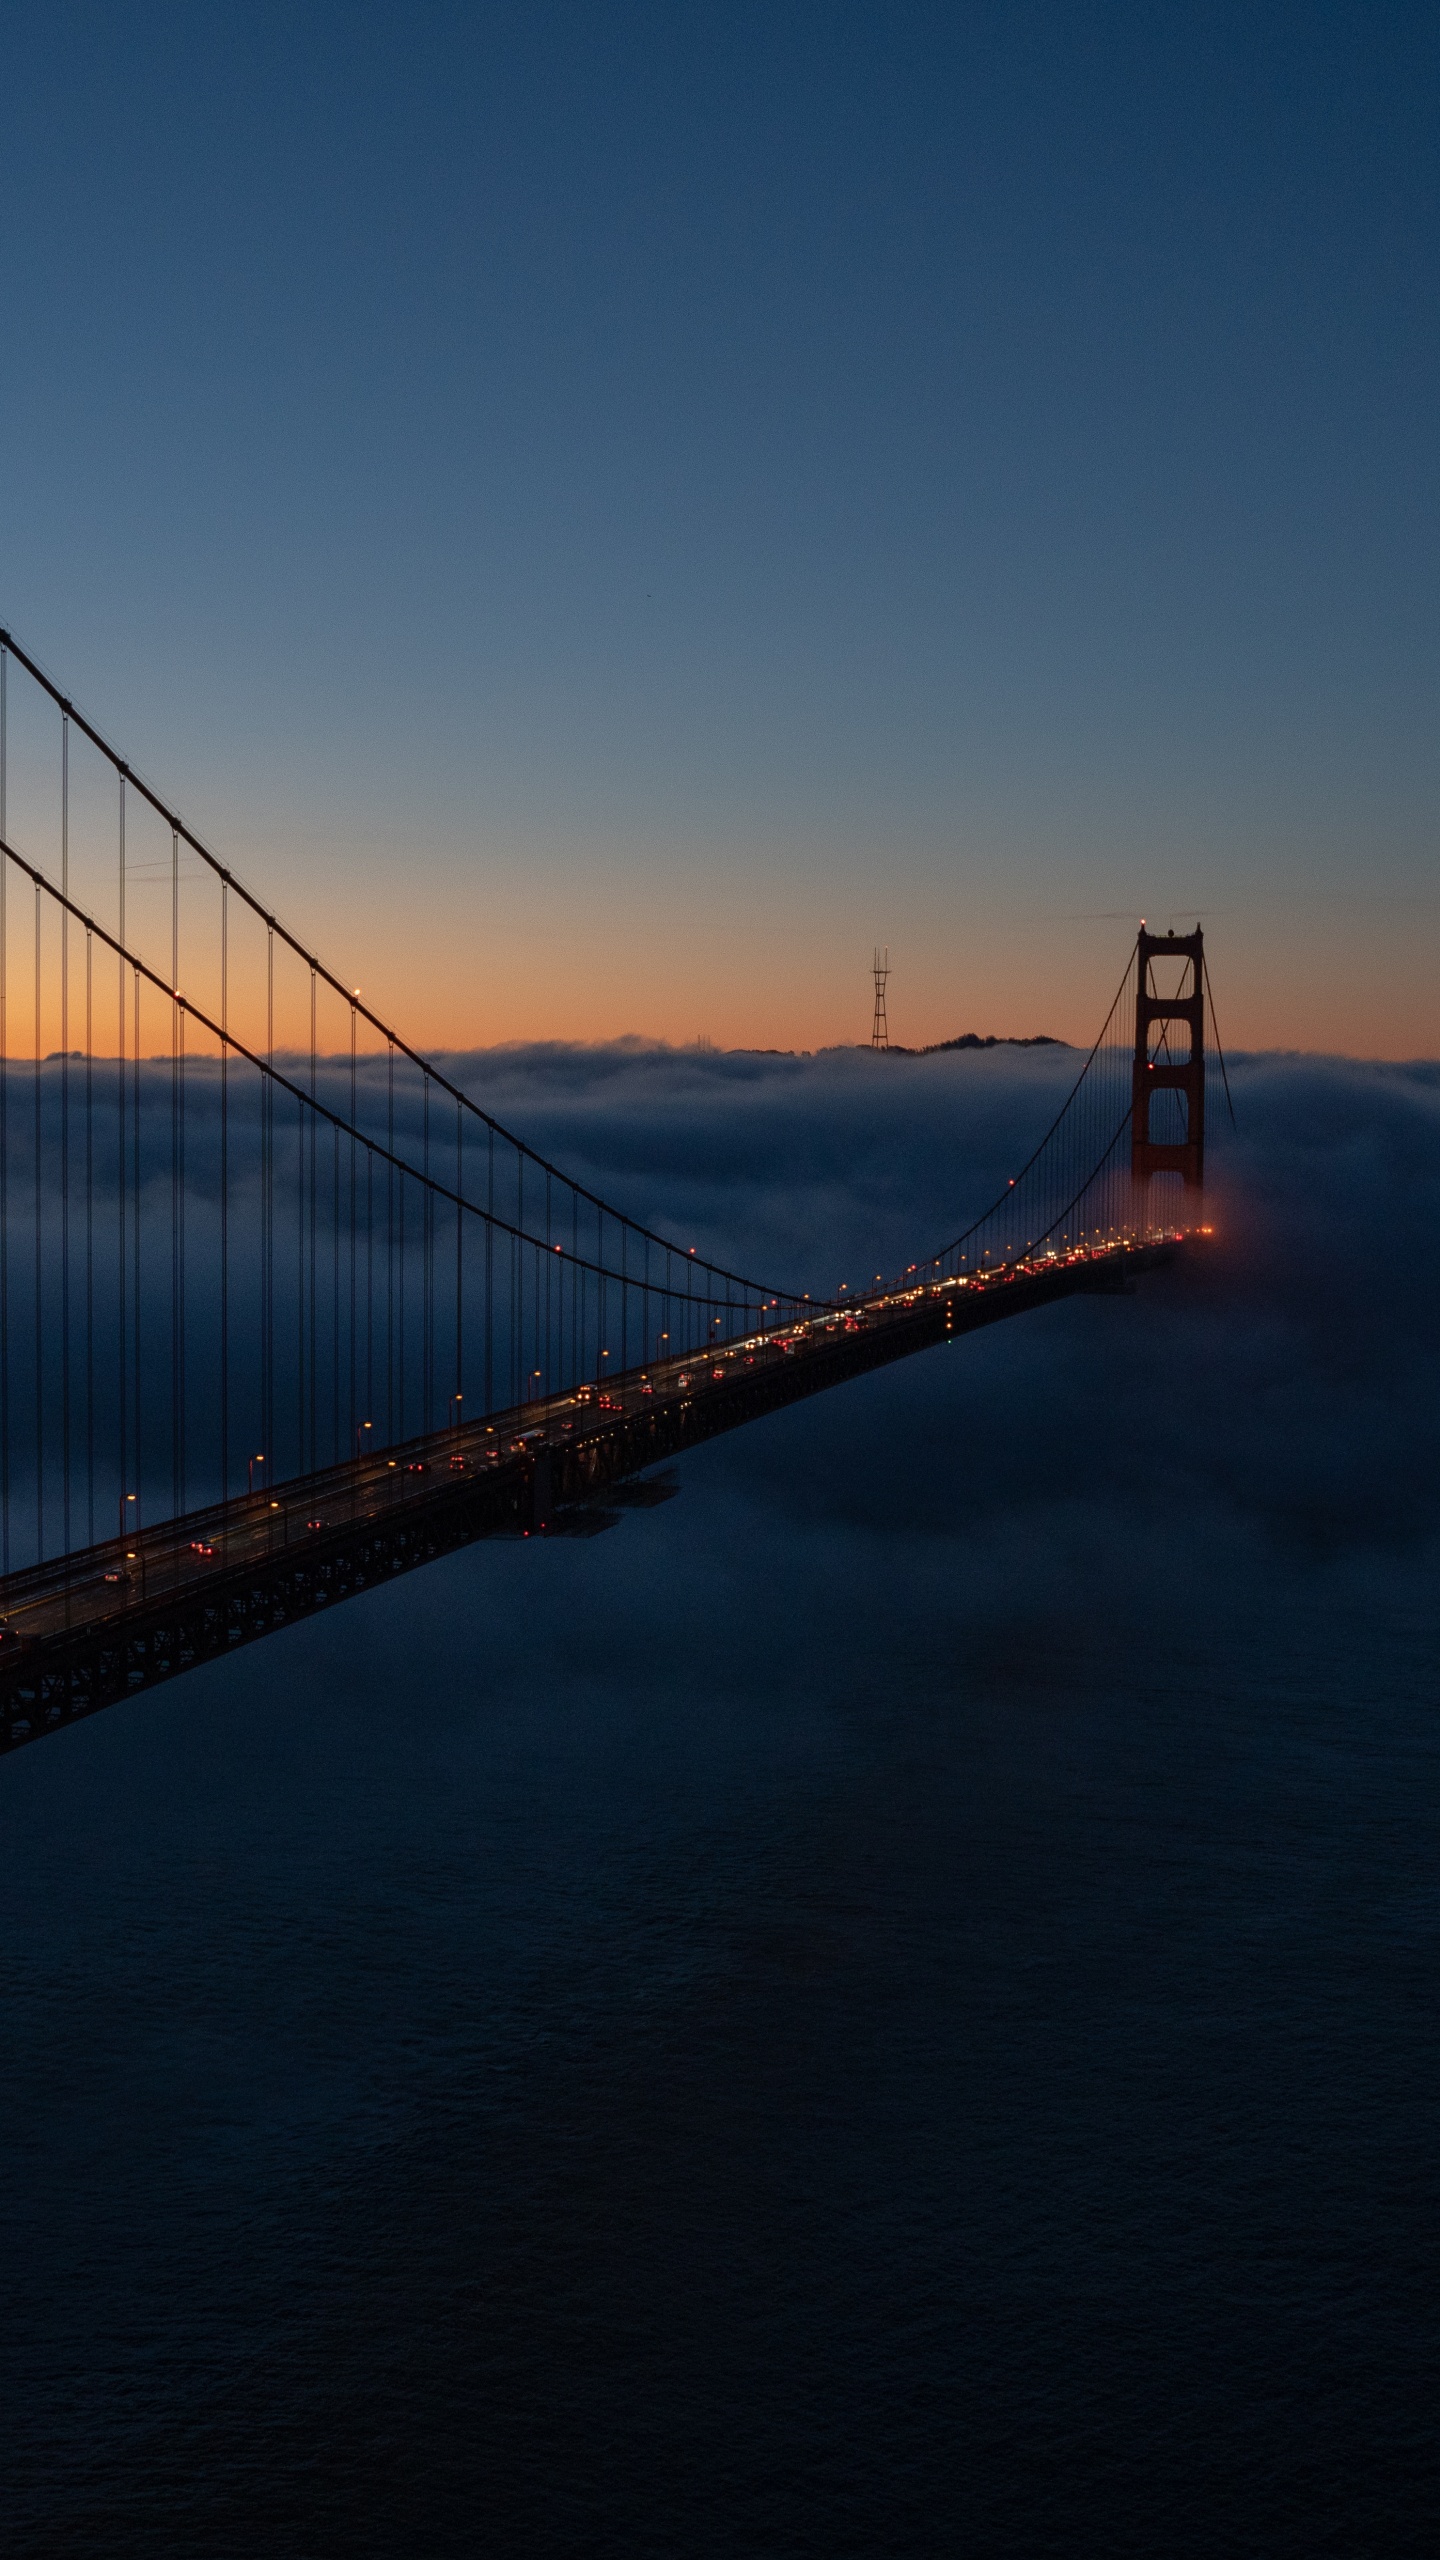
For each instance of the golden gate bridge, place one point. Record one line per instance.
(284, 1312)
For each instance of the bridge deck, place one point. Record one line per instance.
(81, 1632)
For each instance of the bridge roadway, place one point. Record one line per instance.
(80, 1632)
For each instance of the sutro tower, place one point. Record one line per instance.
(880, 1029)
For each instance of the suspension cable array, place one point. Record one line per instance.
(1073, 1192)
(248, 1232)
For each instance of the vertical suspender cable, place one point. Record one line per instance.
(400, 1301)
(304, 1384)
(390, 1245)
(354, 1417)
(65, 1145)
(4, 1134)
(313, 1134)
(175, 1504)
(334, 1297)
(224, 1191)
(267, 1177)
(180, 1371)
(89, 1237)
(427, 1262)
(39, 1277)
(135, 1248)
(122, 1280)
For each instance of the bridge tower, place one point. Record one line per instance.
(1167, 1070)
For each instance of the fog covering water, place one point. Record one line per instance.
(885, 2006)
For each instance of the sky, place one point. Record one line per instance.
(603, 515)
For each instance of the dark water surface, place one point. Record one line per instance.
(887, 2007)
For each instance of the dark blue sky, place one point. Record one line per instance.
(690, 490)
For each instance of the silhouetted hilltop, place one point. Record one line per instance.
(897, 1048)
(974, 1040)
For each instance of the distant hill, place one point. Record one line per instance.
(897, 1048)
(975, 1040)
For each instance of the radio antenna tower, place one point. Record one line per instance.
(880, 1028)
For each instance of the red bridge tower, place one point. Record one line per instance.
(1164, 1069)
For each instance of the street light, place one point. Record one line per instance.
(359, 1427)
(129, 1529)
(251, 1464)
